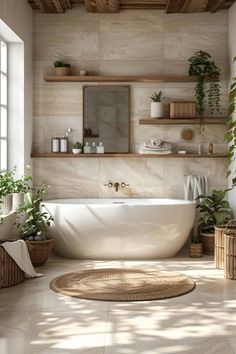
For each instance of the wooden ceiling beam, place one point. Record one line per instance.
(112, 6)
(59, 5)
(174, 6)
(195, 6)
(214, 5)
(102, 6)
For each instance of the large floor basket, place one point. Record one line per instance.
(230, 253)
(10, 273)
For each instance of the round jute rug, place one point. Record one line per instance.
(122, 284)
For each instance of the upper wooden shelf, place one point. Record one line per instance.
(125, 155)
(124, 78)
(204, 120)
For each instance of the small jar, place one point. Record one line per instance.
(87, 148)
(63, 144)
(55, 144)
(100, 148)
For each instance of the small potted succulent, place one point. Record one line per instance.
(7, 186)
(214, 210)
(157, 105)
(76, 148)
(61, 68)
(33, 223)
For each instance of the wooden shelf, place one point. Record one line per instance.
(128, 155)
(124, 78)
(206, 120)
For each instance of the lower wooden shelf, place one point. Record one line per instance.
(125, 155)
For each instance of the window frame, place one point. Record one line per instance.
(4, 106)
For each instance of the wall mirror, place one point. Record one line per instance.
(106, 111)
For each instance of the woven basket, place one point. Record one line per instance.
(230, 253)
(208, 242)
(195, 250)
(10, 273)
(219, 242)
(39, 251)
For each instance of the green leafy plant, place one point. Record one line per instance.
(204, 68)
(214, 210)
(61, 64)
(21, 185)
(7, 183)
(157, 97)
(33, 222)
(230, 136)
(77, 145)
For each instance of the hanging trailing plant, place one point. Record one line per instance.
(230, 136)
(205, 69)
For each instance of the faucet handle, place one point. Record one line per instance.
(110, 184)
(123, 184)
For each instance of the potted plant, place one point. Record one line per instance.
(7, 185)
(61, 68)
(195, 247)
(230, 136)
(33, 223)
(157, 105)
(214, 210)
(77, 148)
(21, 187)
(203, 67)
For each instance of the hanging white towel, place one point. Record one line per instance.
(19, 252)
(195, 186)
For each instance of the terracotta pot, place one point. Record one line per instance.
(39, 251)
(208, 242)
(62, 71)
(195, 250)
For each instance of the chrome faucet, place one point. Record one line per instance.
(116, 185)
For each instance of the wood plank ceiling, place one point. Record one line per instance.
(111, 6)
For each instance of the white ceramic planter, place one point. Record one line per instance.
(157, 110)
(6, 204)
(18, 200)
(76, 151)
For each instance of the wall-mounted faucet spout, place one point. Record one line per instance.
(116, 185)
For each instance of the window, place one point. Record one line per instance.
(3, 105)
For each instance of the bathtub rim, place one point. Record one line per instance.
(119, 201)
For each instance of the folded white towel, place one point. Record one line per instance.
(19, 252)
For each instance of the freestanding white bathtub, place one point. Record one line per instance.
(120, 228)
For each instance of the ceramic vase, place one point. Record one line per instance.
(18, 200)
(76, 151)
(157, 110)
(6, 204)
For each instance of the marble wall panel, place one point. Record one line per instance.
(131, 46)
(188, 43)
(54, 99)
(196, 23)
(132, 21)
(128, 43)
(67, 46)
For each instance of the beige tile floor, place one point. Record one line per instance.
(34, 319)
